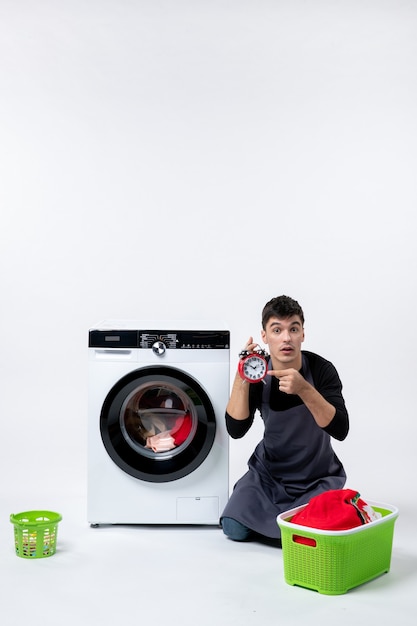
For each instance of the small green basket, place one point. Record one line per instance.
(35, 533)
(333, 562)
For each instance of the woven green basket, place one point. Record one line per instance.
(35, 533)
(332, 562)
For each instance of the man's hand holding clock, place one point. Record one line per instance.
(252, 366)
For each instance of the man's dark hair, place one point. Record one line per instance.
(281, 307)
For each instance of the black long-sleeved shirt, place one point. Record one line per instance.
(326, 381)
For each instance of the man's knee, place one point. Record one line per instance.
(235, 530)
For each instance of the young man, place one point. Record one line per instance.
(302, 407)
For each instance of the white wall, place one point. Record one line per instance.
(192, 159)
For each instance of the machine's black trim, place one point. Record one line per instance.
(157, 469)
(113, 339)
(182, 339)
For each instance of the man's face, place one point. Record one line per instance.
(284, 338)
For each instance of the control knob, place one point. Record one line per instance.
(159, 348)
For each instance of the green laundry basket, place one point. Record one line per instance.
(333, 562)
(35, 533)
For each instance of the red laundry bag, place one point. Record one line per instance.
(337, 509)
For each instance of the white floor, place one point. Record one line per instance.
(184, 575)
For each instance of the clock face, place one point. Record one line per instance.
(254, 368)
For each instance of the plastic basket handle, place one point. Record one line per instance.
(306, 541)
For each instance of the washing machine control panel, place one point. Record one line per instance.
(160, 340)
(157, 341)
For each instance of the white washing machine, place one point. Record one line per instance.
(158, 449)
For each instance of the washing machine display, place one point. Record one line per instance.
(158, 449)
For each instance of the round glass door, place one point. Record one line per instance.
(158, 424)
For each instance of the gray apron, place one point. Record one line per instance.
(294, 462)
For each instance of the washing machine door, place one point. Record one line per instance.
(158, 424)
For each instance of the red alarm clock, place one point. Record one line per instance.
(253, 366)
